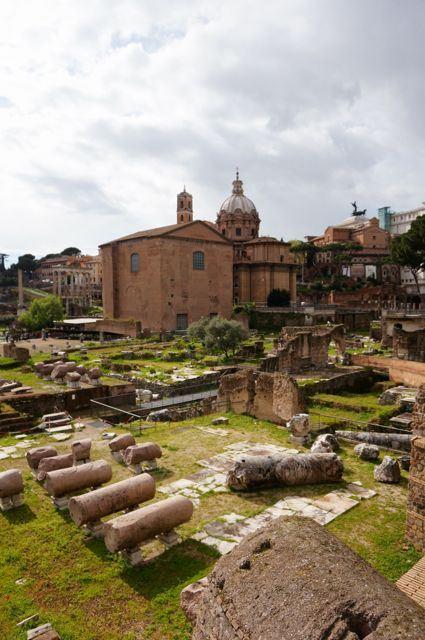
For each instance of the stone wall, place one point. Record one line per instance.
(72, 400)
(409, 345)
(302, 348)
(266, 396)
(356, 381)
(415, 526)
(407, 372)
(237, 391)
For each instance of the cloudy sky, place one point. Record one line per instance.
(107, 107)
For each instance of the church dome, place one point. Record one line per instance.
(238, 218)
(238, 201)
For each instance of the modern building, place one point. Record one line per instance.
(168, 277)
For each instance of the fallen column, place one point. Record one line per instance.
(119, 444)
(138, 454)
(126, 533)
(11, 489)
(89, 508)
(81, 451)
(308, 468)
(34, 456)
(52, 464)
(397, 441)
(62, 482)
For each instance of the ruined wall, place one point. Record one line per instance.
(415, 525)
(409, 345)
(277, 397)
(236, 391)
(266, 396)
(407, 372)
(303, 348)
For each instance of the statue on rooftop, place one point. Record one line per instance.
(355, 212)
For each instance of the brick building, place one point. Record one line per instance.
(169, 277)
(370, 261)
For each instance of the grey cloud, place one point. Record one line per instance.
(77, 195)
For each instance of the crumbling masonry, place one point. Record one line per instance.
(301, 348)
(415, 530)
(266, 396)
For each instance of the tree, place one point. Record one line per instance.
(27, 263)
(408, 250)
(278, 298)
(42, 313)
(71, 251)
(197, 330)
(224, 336)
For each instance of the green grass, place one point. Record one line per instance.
(90, 594)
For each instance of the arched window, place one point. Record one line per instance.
(199, 260)
(134, 262)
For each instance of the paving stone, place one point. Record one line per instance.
(231, 518)
(360, 491)
(334, 503)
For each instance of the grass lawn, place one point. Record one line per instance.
(90, 594)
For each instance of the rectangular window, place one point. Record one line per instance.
(182, 322)
(238, 231)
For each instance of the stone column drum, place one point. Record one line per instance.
(35, 455)
(132, 529)
(147, 453)
(81, 450)
(62, 482)
(52, 464)
(89, 508)
(11, 489)
(119, 444)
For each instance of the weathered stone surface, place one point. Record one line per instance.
(416, 499)
(64, 481)
(34, 456)
(299, 425)
(142, 452)
(191, 597)
(236, 391)
(301, 348)
(90, 507)
(325, 443)
(131, 529)
(53, 463)
(387, 471)
(293, 580)
(122, 442)
(367, 451)
(11, 483)
(163, 415)
(277, 397)
(398, 441)
(81, 449)
(309, 468)
(418, 422)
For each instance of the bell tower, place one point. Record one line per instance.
(184, 207)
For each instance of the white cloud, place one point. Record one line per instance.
(108, 106)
